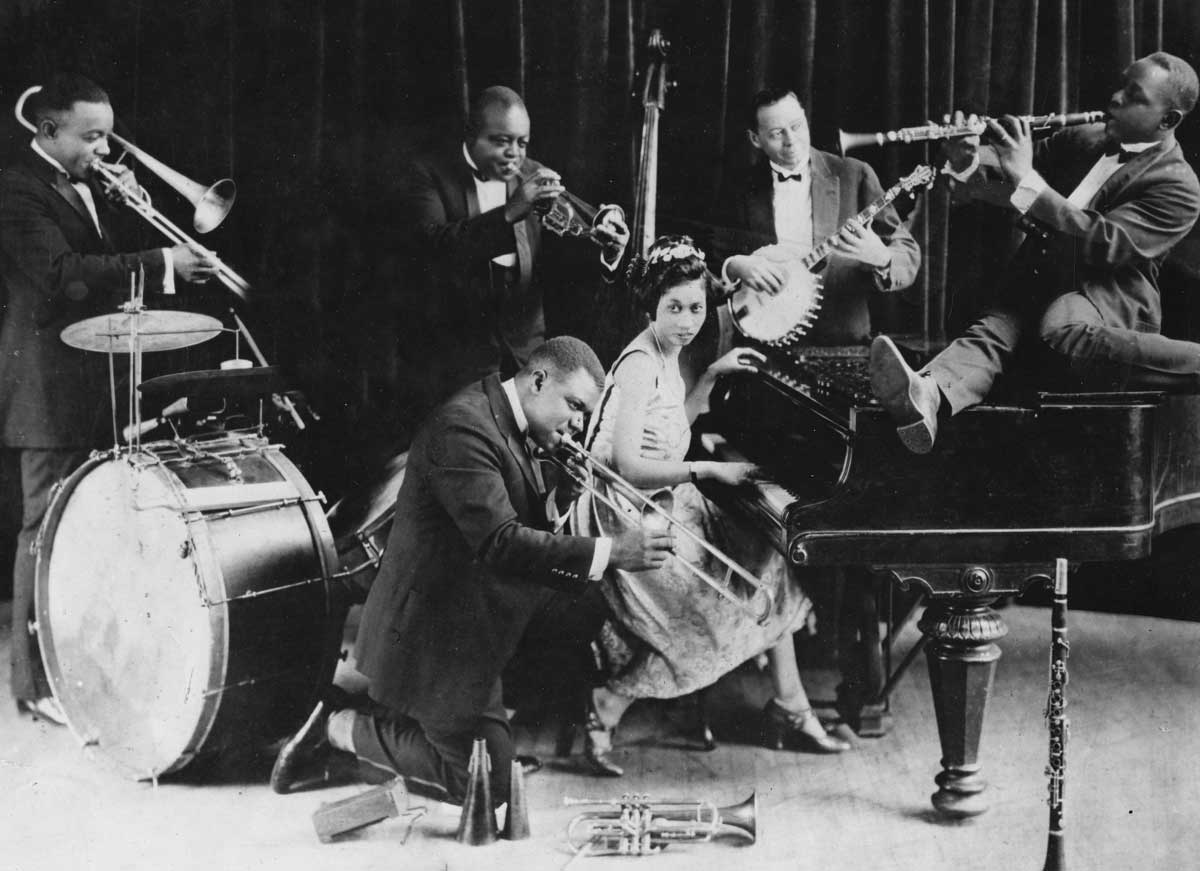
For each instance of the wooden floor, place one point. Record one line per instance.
(1133, 791)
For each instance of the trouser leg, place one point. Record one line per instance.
(41, 469)
(433, 761)
(1108, 357)
(967, 368)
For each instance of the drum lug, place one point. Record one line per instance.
(32, 627)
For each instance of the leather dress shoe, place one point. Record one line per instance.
(307, 760)
(597, 744)
(782, 728)
(46, 708)
(911, 399)
(529, 764)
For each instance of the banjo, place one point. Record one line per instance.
(782, 319)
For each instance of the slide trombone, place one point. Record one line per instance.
(931, 132)
(211, 204)
(762, 593)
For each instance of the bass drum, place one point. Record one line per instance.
(361, 524)
(183, 600)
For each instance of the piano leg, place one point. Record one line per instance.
(961, 655)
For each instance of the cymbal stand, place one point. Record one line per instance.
(134, 308)
(281, 399)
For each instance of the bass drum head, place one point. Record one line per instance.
(127, 643)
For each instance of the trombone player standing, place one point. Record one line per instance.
(59, 263)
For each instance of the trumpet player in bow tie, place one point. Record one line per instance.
(479, 262)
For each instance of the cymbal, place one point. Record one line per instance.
(226, 383)
(157, 331)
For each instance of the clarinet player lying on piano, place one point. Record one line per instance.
(1113, 199)
(674, 634)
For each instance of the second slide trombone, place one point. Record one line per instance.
(212, 204)
(761, 592)
(931, 132)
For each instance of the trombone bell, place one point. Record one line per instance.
(211, 204)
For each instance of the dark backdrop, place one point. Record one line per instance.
(315, 105)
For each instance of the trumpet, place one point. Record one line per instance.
(761, 592)
(931, 132)
(211, 204)
(637, 826)
(570, 216)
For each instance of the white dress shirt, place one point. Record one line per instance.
(1032, 185)
(491, 195)
(85, 193)
(603, 545)
(793, 208)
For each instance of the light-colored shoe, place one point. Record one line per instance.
(46, 708)
(911, 399)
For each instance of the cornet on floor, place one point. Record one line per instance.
(932, 132)
(211, 204)
(634, 825)
(761, 602)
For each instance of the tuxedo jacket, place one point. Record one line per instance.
(56, 269)
(456, 325)
(470, 558)
(841, 188)
(1111, 250)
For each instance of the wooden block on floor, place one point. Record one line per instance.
(376, 804)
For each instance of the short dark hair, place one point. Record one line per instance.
(60, 92)
(1182, 86)
(766, 97)
(669, 263)
(563, 356)
(496, 95)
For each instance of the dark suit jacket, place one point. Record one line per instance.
(469, 560)
(56, 270)
(1112, 250)
(841, 188)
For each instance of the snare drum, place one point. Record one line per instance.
(183, 600)
(361, 524)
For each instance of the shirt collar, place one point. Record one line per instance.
(510, 390)
(778, 170)
(33, 143)
(475, 169)
(1137, 147)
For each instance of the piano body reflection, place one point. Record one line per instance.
(1007, 490)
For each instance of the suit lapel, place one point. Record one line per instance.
(1125, 175)
(66, 190)
(521, 235)
(760, 203)
(826, 193)
(515, 441)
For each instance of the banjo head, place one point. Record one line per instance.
(785, 317)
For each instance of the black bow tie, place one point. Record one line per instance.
(1122, 154)
(784, 177)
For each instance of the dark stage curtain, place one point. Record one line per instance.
(314, 106)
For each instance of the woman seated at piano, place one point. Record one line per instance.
(673, 633)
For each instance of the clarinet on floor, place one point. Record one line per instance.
(1056, 719)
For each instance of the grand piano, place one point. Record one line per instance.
(1008, 490)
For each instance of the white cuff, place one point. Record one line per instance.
(169, 273)
(1028, 190)
(600, 559)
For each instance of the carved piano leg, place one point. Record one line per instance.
(961, 655)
